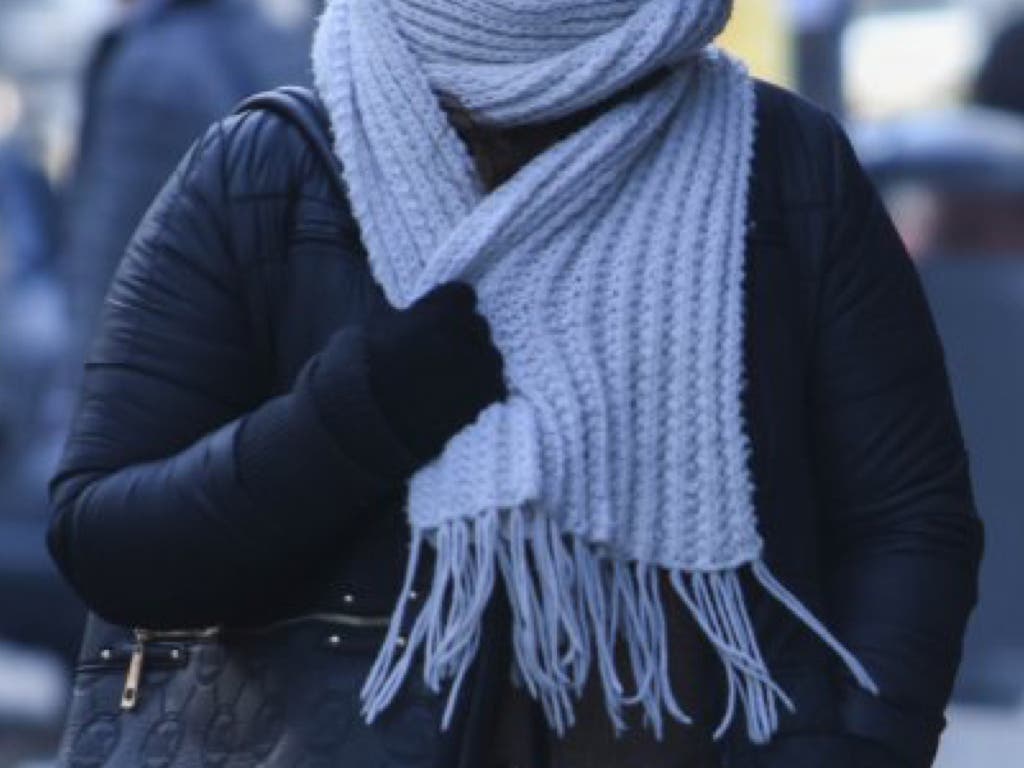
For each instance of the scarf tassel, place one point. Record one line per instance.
(570, 606)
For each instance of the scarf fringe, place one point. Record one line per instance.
(570, 605)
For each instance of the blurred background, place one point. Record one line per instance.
(100, 98)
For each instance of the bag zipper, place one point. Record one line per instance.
(136, 663)
(133, 678)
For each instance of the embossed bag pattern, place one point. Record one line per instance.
(282, 699)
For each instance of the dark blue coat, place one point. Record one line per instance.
(227, 463)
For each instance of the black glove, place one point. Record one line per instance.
(432, 367)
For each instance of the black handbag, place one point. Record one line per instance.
(279, 696)
(284, 695)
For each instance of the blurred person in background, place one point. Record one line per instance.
(276, 367)
(28, 207)
(818, 25)
(33, 343)
(1000, 82)
(164, 73)
(30, 331)
(29, 307)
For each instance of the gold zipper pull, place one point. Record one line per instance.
(130, 696)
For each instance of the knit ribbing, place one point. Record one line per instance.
(611, 270)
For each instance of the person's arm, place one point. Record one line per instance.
(184, 496)
(181, 497)
(903, 539)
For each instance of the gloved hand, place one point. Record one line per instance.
(432, 367)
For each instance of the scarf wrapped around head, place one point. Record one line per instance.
(611, 270)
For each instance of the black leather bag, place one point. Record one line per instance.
(280, 696)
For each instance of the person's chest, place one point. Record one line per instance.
(324, 282)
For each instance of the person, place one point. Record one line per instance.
(31, 332)
(585, 376)
(998, 84)
(33, 339)
(819, 28)
(27, 206)
(157, 79)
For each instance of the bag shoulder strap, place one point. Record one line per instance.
(302, 108)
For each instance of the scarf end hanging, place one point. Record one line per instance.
(570, 607)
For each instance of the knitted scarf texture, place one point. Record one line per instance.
(610, 268)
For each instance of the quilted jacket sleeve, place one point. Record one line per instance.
(187, 495)
(904, 542)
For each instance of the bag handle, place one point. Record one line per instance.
(303, 109)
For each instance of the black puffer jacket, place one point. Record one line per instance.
(201, 485)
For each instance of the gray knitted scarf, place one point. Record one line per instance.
(611, 270)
